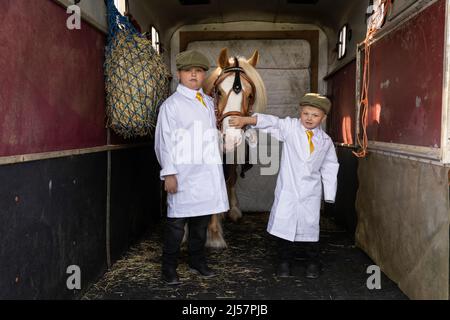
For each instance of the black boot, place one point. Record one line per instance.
(313, 270)
(283, 269)
(174, 231)
(313, 267)
(196, 246)
(202, 270)
(284, 248)
(169, 275)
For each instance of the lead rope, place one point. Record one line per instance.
(363, 141)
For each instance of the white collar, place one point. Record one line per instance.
(191, 94)
(317, 130)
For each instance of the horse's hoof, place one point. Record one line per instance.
(215, 240)
(216, 243)
(235, 214)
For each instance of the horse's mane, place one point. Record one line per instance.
(261, 93)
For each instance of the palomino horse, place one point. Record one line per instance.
(237, 89)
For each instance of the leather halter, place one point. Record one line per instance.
(246, 107)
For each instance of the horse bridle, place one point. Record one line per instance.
(246, 108)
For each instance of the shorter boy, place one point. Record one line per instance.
(308, 161)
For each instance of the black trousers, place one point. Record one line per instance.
(173, 235)
(286, 250)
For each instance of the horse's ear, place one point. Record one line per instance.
(254, 59)
(223, 58)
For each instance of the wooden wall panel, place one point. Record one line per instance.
(51, 80)
(406, 79)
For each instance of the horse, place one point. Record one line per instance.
(237, 89)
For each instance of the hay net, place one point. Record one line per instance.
(136, 78)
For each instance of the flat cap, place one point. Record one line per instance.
(316, 100)
(191, 58)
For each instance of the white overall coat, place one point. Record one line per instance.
(295, 212)
(187, 145)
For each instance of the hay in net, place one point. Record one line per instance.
(136, 79)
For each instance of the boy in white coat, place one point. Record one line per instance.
(308, 164)
(187, 148)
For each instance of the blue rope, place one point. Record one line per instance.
(115, 19)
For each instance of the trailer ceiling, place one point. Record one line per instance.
(327, 13)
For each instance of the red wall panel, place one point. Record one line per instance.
(406, 79)
(341, 88)
(51, 80)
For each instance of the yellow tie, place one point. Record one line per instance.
(310, 134)
(200, 98)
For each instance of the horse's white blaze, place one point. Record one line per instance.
(233, 136)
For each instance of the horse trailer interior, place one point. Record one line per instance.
(81, 192)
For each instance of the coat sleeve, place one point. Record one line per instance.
(165, 126)
(329, 171)
(276, 127)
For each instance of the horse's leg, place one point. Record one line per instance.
(234, 213)
(186, 234)
(214, 237)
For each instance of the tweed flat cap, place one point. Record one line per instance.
(191, 58)
(316, 100)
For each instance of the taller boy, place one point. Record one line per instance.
(187, 148)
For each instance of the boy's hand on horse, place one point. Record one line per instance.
(170, 183)
(240, 122)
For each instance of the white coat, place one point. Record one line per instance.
(295, 212)
(187, 145)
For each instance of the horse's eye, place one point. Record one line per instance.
(219, 93)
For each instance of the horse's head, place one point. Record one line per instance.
(237, 89)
